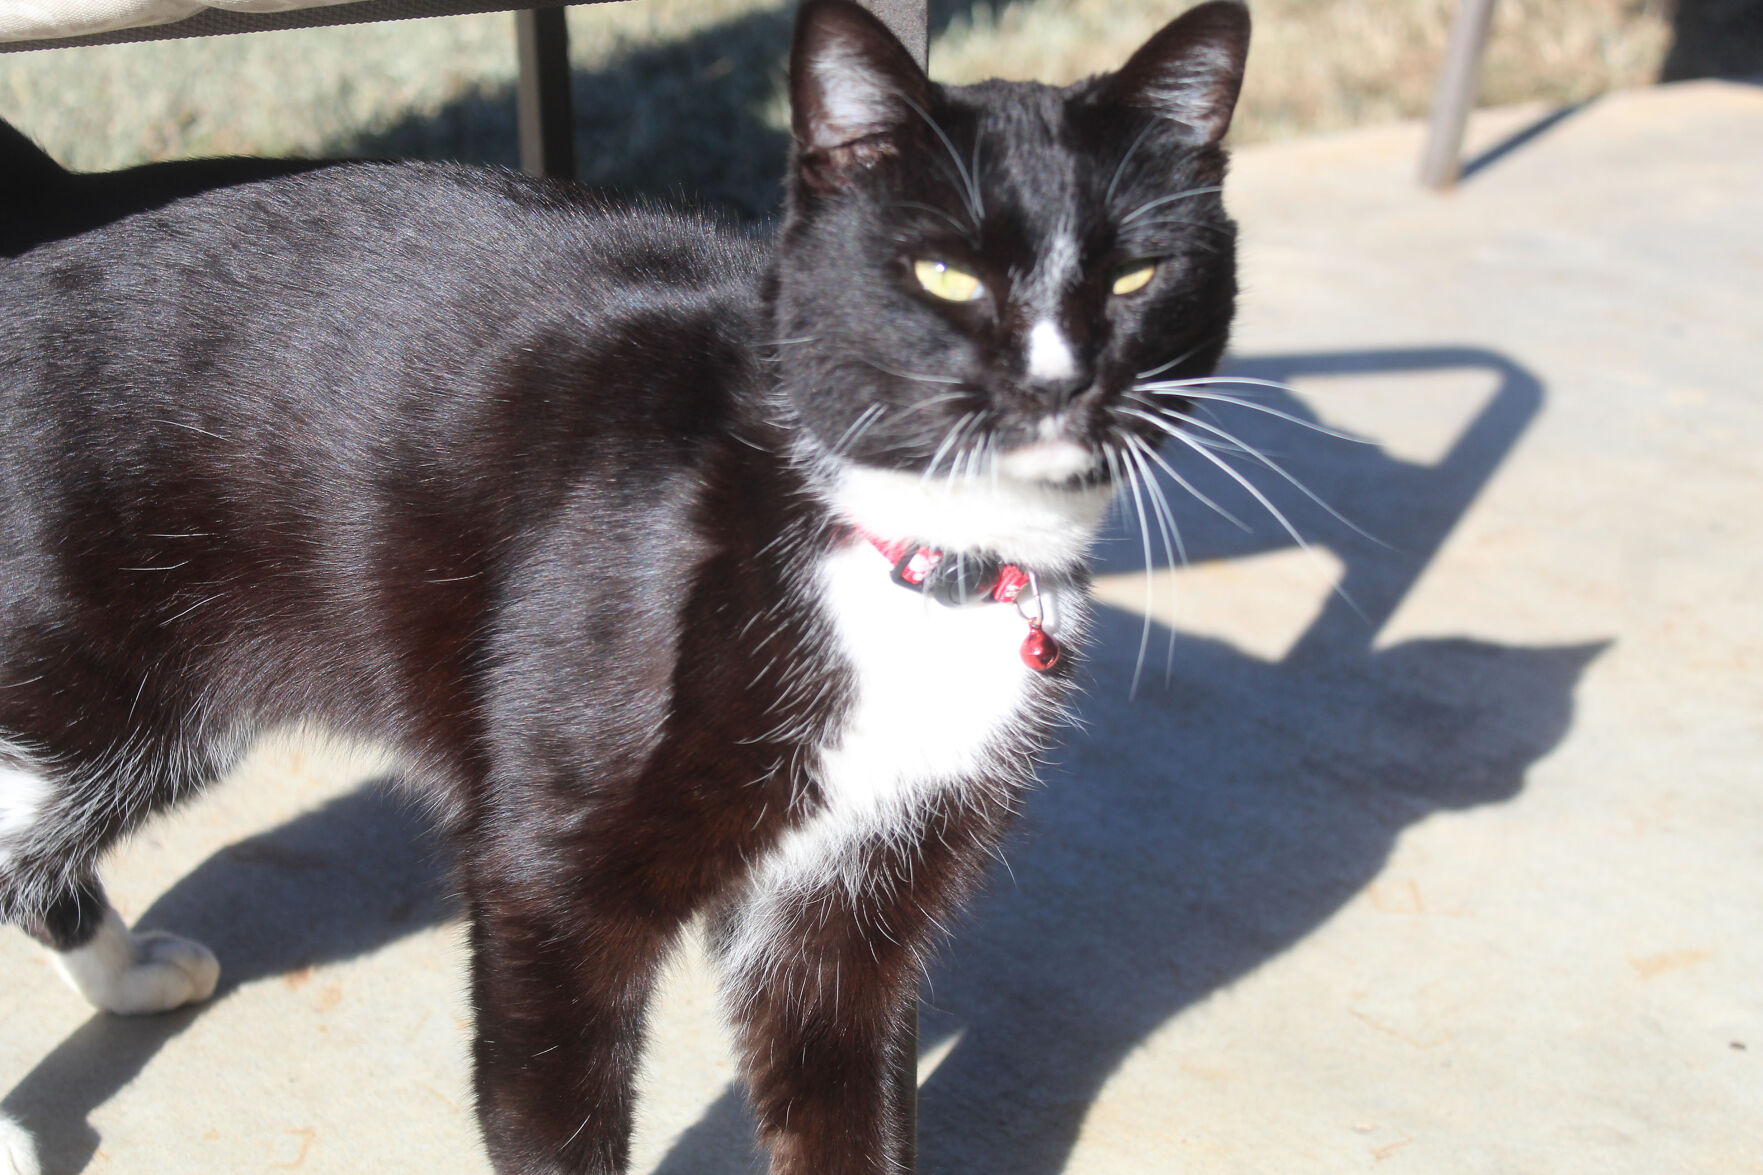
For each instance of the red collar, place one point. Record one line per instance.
(917, 566)
(968, 580)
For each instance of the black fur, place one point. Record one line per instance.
(72, 918)
(531, 488)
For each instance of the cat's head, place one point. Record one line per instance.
(974, 281)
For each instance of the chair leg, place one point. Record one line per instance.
(1456, 94)
(906, 1087)
(546, 114)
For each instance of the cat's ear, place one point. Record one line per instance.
(852, 87)
(1191, 72)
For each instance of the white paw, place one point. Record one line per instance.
(18, 1154)
(134, 974)
(182, 969)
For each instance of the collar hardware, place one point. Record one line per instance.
(959, 580)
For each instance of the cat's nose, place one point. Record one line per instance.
(1062, 389)
(1056, 370)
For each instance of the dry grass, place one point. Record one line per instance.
(686, 94)
(1326, 64)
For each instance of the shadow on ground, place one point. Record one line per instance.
(1197, 832)
(341, 881)
(1189, 836)
(1715, 38)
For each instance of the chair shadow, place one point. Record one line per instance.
(1195, 833)
(1715, 38)
(1520, 138)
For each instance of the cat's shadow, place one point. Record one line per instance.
(1188, 837)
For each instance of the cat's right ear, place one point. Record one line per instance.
(853, 87)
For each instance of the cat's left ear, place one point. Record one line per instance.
(1191, 72)
(852, 87)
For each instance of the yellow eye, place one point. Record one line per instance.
(947, 282)
(1133, 280)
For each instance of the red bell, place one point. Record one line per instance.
(1040, 651)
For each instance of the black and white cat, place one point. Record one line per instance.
(686, 573)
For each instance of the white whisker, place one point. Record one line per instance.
(971, 421)
(1172, 544)
(1162, 200)
(977, 447)
(949, 439)
(1222, 230)
(929, 402)
(1120, 168)
(1178, 387)
(1284, 523)
(1239, 402)
(1141, 451)
(978, 136)
(1163, 367)
(1281, 470)
(934, 211)
(975, 207)
(921, 378)
(1178, 478)
(1200, 381)
(1132, 483)
(858, 427)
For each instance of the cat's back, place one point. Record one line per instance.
(374, 238)
(374, 299)
(347, 370)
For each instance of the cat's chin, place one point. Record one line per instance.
(1041, 524)
(1061, 463)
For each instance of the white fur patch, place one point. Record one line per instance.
(937, 690)
(1049, 352)
(1025, 521)
(934, 684)
(18, 1151)
(134, 974)
(23, 796)
(1056, 269)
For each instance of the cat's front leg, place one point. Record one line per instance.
(560, 986)
(820, 1012)
(821, 961)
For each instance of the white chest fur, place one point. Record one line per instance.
(936, 691)
(936, 688)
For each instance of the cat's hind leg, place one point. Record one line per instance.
(119, 970)
(116, 969)
(60, 807)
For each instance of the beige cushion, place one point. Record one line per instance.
(35, 20)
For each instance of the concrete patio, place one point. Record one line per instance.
(1461, 875)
